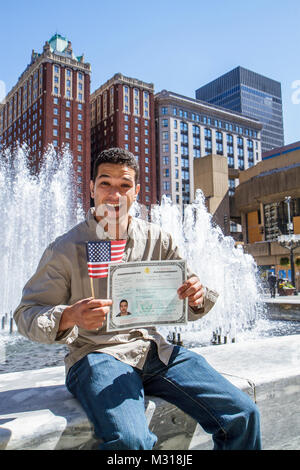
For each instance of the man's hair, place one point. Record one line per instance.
(117, 156)
(124, 300)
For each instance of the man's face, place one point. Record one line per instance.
(123, 307)
(114, 191)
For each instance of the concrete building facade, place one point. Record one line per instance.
(265, 214)
(122, 115)
(50, 105)
(189, 129)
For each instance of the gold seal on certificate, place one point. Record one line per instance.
(144, 293)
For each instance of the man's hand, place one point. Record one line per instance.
(88, 313)
(193, 289)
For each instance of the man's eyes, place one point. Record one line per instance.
(106, 183)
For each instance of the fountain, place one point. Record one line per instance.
(39, 413)
(36, 210)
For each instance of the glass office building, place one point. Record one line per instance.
(254, 96)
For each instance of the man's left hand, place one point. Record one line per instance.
(193, 290)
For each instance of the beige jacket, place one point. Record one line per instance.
(62, 279)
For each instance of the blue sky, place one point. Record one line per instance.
(177, 45)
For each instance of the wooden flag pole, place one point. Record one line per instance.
(92, 287)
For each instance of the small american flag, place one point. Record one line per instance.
(101, 253)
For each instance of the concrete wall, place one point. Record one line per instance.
(37, 411)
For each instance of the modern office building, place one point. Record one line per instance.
(254, 96)
(50, 105)
(187, 129)
(122, 115)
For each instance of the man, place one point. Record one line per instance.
(272, 280)
(110, 373)
(123, 308)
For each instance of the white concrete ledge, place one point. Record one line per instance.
(38, 412)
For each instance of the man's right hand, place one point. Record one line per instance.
(88, 314)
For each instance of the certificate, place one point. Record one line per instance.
(145, 294)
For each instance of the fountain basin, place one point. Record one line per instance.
(38, 412)
(283, 308)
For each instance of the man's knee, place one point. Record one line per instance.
(128, 440)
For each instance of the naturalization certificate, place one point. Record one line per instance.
(144, 293)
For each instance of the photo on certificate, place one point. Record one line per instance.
(145, 294)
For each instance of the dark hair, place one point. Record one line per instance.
(124, 300)
(117, 156)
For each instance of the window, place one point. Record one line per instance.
(67, 124)
(80, 127)
(68, 104)
(67, 135)
(67, 114)
(165, 123)
(55, 100)
(79, 117)
(55, 132)
(79, 137)
(55, 122)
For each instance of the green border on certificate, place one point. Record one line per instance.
(144, 293)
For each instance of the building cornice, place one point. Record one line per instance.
(202, 106)
(118, 78)
(50, 57)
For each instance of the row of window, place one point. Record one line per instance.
(211, 121)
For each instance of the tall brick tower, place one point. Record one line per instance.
(122, 115)
(50, 105)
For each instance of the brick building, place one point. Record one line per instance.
(50, 105)
(122, 115)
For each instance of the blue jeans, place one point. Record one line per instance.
(112, 394)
